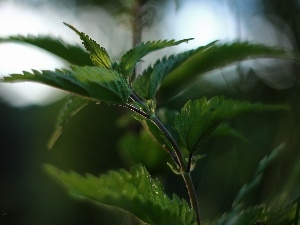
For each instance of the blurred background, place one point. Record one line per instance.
(93, 142)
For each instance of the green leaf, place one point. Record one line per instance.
(72, 106)
(94, 82)
(257, 215)
(199, 118)
(129, 59)
(239, 216)
(71, 53)
(98, 54)
(249, 191)
(213, 57)
(225, 130)
(148, 83)
(135, 192)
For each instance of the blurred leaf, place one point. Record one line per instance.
(199, 118)
(141, 148)
(248, 191)
(94, 82)
(224, 130)
(71, 53)
(130, 58)
(215, 57)
(135, 192)
(99, 55)
(284, 216)
(72, 106)
(256, 215)
(157, 134)
(238, 216)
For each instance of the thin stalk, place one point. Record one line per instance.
(183, 167)
(192, 194)
(134, 109)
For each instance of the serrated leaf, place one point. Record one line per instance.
(199, 118)
(215, 57)
(135, 192)
(130, 58)
(96, 83)
(71, 53)
(72, 106)
(148, 83)
(98, 54)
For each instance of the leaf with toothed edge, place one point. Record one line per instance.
(148, 83)
(131, 57)
(133, 191)
(199, 118)
(98, 54)
(96, 83)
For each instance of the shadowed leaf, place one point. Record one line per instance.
(96, 83)
(135, 192)
(213, 57)
(72, 106)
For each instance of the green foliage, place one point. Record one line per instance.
(99, 55)
(97, 83)
(247, 191)
(135, 192)
(130, 58)
(141, 148)
(72, 106)
(237, 216)
(148, 83)
(178, 133)
(198, 119)
(72, 53)
(215, 56)
(244, 213)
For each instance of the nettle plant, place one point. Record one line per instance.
(94, 77)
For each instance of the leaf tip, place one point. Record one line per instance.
(71, 27)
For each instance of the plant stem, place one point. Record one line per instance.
(186, 175)
(192, 194)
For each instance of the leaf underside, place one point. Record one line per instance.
(199, 118)
(135, 192)
(93, 82)
(72, 106)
